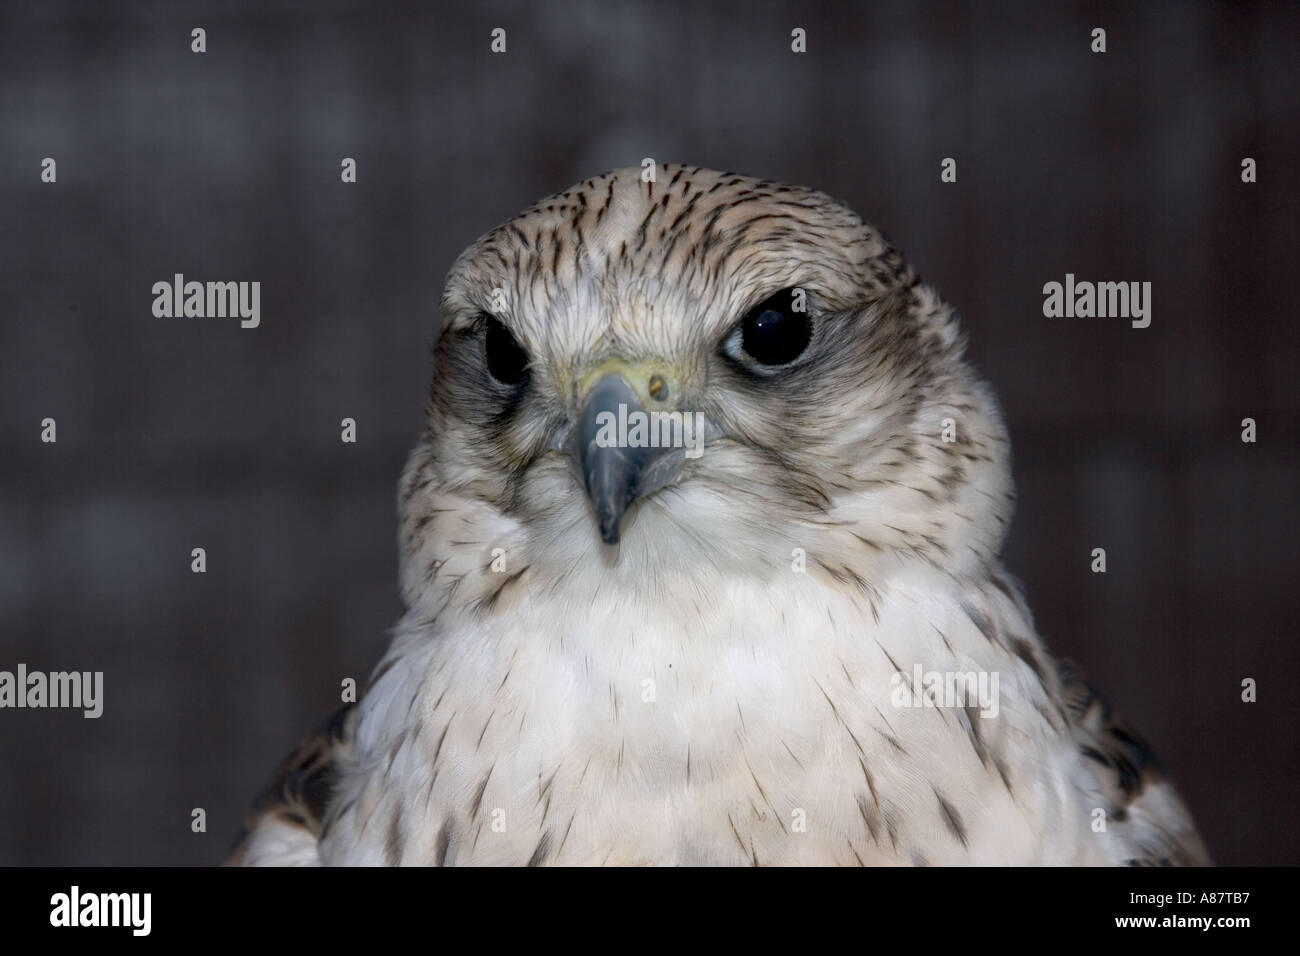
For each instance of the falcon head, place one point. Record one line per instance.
(810, 391)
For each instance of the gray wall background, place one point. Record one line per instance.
(177, 433)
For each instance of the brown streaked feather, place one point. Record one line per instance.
(299, 791)
(1130, 777)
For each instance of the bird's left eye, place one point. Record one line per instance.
(772, 333)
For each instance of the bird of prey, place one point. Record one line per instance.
(750, 638)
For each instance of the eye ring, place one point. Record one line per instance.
(773, 334)
(506, 360)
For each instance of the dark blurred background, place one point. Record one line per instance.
(175, 433)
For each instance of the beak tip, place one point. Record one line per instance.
(609, 529)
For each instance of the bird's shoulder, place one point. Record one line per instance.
(289, 817)
(1140, 798)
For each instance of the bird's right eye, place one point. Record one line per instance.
(507, 362)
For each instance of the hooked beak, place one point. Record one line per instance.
(615, 474)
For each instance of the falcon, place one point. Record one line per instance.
(785, 638)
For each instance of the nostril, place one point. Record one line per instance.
(658, 388)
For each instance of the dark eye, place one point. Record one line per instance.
(506, 360)
(773, 333)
